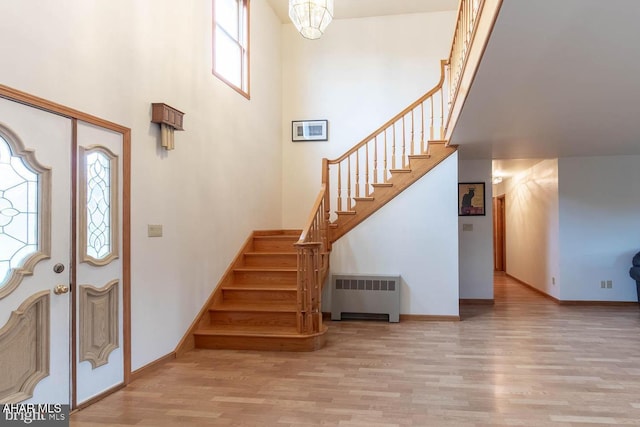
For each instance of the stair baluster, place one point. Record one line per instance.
(366, 162)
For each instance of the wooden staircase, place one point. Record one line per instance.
(255, 305)
(270, 296)
(417, 166)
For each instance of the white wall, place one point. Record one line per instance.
(414, 235)
(476, 246)
(599, 226)
(358, 75)
(500, 188)
(532, 242)
(113, 59)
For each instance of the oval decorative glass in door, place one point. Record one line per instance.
(24, 212)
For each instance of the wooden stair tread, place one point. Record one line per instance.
(273, 233)
(382, 184)
(275, 253)
(419, 156)
(259, 288)
(259, 338)
(364, 199)
(266, 269)
(266, 307)
(346, 212)
(249, 330)
(403, 170)
(292, 237)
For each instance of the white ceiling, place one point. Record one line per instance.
(558, 79)
(344, 9)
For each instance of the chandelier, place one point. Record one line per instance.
(311, 17)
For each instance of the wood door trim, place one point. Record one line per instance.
(59, 109)
(73, 114)
(99, 397)
(74, 258)
(499, 234)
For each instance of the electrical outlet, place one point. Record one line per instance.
(603, 284)
(609, 284)
(553, 280)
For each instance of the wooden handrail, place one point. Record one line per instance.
(397, 117)
(317, 205)
(387, 150)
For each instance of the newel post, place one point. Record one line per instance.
(309, 314)
(327, 200)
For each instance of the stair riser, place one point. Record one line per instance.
(259, 296)
(265, 277)
(274, 245)
(252, 318)
(264, 286)
(263, 343)
(267, 260)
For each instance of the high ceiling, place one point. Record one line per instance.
(558, 79)
(364, 8)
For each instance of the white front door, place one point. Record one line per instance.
(49, 276)
(35, 221)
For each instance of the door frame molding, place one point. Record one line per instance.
(499, 233)
(75, 115)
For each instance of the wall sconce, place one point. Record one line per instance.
(169, 119)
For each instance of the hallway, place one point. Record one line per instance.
(523, 361)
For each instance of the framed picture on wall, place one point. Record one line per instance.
(471, 199)
(309, 130)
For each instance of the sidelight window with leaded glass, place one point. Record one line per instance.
(98, 201)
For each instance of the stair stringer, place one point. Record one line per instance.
(187, 343)
(418, 166)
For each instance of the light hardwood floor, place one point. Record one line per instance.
(525, 361)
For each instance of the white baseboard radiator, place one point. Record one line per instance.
(356, 296)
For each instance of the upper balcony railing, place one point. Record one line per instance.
(462, 37)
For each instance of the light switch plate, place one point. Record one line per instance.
(154, 230)
(467, 227)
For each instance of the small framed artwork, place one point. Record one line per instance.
(309, 130)
(471, 199)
